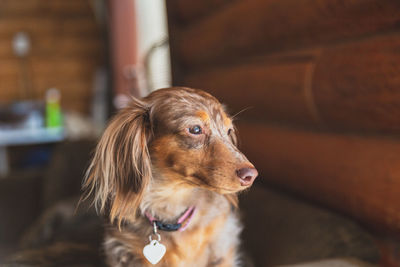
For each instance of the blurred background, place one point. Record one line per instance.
(315, 83)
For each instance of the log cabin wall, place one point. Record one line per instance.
(66, 49)
(321, 80)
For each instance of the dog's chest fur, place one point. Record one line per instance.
(211, 239)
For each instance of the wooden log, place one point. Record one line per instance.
(353, 174)
(185, 12)
(351, 87)
(265, 92)
(259, 26)
(124, 46)
(356, 86)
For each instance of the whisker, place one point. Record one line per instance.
(243, 110)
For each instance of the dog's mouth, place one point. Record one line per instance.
(197, 181)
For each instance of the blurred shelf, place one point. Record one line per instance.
(25, 136)
(9, 137)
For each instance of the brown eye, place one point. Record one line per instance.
(229, 132)
(195, 130)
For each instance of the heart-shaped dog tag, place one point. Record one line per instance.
(154, 251)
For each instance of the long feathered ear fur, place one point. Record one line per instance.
(121, 168)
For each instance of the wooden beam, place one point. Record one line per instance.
(352, 87)
(353, 174)
(266, 92)
(124, 47)
(185, 12)
(356, 86)
(263, 26)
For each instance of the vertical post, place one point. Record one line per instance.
(124, 47)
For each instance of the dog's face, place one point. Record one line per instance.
(195, 142)
(177, 135)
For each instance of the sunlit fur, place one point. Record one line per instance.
(148, 161)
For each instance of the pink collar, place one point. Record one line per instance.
(181, 224)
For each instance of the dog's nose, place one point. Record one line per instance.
(247, 175)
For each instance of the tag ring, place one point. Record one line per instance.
(156, 234)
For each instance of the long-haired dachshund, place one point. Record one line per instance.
(166, 173)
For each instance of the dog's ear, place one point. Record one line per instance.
(121, 167)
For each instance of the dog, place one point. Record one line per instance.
(166, 173)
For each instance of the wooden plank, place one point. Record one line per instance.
(71, 84)
(184, 11)
(69, 46)
(39, 67)
(353, 174)
(11, 6)
(47, 25)
(356, 86)
(261, 26)
(352, 87)
(9, 91)
(80, 88)
(14, 8)
(70, 68)
(58, 46)
(71, 7)
(265, 91)
(32, 25)
(9, 68)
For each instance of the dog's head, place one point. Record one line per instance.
(178, 135)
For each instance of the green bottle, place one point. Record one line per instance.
(53, 108)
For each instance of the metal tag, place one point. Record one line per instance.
(154, 251)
